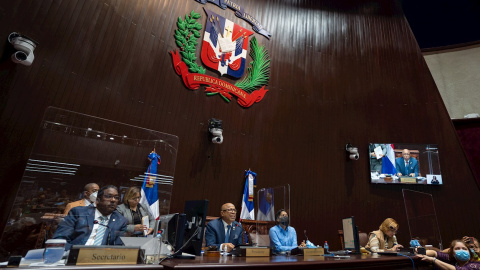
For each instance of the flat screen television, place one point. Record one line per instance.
(402, 163)
(350, 235)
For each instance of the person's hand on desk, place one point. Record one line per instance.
(397, 247)
(303, 244)
(399, 174)
(229, 246)
(426, 258)
(412, 174)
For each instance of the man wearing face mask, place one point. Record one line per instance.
(224, 233)
(89, 197)
(283, 238)
(459, 256)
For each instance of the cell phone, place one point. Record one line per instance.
(470, 240)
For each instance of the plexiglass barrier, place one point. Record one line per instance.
(422, 218)
(72, 150)
(269, 201)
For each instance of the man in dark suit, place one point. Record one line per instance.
(225, 232)
(406, 165)
(98, 225)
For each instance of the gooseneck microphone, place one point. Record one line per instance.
(305, 233)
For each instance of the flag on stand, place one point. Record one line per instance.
(248, 212)
(388, 163)
(150, 187)
(266, 209)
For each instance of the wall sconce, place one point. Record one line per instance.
(352, 151)
(215, 128)
(25, 47)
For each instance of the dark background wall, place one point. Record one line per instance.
(341, 71)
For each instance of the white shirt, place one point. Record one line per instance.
(91, 239)
(87, 202)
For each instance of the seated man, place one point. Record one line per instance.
(94, 226)
(283, 238)
(224, 232)
(406, 165)
(89, 197)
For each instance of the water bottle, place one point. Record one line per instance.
(325, 246)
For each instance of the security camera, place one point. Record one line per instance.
(216, 129)
(352, 150)
(25, 47)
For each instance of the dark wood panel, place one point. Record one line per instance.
(341, 71)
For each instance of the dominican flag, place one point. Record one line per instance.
(248, 212)
(388, 163)
(266, 210)
(150, 188)
(225, 45)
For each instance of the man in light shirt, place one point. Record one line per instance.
(98, 225)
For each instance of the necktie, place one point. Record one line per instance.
(102, 227)
(227, 236)
(406, 168)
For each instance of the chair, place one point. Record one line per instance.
(362, 238)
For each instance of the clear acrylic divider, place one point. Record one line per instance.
(72, 150)
(422, 218)
(269, 201)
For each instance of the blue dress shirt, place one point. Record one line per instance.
(283, 240)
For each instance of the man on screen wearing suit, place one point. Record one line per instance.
(98, 225)
(406, 165)
(225, 232)
(89, 197)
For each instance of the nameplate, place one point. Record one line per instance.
(409, 180)
(91, 255)
(313, 251)
(257, 252)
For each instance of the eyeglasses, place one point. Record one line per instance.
(136, 198)
(109, 197)
(231, 210)
(393, 229)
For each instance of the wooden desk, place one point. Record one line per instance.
(297, 262)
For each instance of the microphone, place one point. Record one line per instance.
(108, 228)
(305, 233)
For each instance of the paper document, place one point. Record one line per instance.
(378, 152)
(146, 223)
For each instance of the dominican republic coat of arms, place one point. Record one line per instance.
(224, 49)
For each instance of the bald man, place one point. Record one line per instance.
(406, 165)
(224, 233)
(89, 190)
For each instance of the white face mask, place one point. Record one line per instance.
(93, 197)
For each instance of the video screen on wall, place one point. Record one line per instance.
(401, 163)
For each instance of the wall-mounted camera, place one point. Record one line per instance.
(352, 151)
(25, 47)
(215, 128)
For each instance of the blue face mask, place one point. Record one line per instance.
(462, 255)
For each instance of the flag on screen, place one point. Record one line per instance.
(266, 209)
(248, 212)
(388, 163)
(150, 188)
